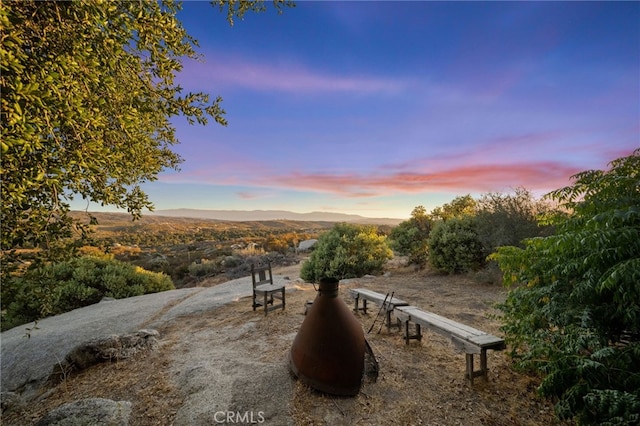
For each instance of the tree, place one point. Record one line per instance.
(88, 94)
(460, 206)
(409, 238)
(454, 246)
(573, 310)
(347, 251)
(508, 219)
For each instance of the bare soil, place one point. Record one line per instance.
(419, 383)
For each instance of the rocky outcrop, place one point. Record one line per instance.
(92, 411)
(29, 359)
(110, 348)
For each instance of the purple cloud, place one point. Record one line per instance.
(284, 77)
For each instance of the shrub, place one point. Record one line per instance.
(454, 246)
(576, 319)
(508, 219)
(347, 251)
(60, 287)
(204, 267)
(409, 238)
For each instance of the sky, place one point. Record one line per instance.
(374, 108)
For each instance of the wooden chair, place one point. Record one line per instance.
(264, 291)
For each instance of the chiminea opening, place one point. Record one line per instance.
(328, 353)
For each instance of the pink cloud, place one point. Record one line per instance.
(282, 77)
(247, 195)
(483, 178)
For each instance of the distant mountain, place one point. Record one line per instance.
(258, 215)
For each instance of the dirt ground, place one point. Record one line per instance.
(420, 383)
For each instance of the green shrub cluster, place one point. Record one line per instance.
(60, 287)
(457, 237)
(454, 246)
(573, 312)
(409, 238)
(347, 251)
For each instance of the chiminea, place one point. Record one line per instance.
(328, 351)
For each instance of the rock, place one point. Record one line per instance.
(29, 359)
(111, 348)
(9, 400)
(92, 411)
(307, 244)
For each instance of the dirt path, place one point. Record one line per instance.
(421, 383)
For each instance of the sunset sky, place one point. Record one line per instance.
(373, 108)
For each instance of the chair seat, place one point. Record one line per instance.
(268, 287)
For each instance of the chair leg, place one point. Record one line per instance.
(266, 310)
(283, 297)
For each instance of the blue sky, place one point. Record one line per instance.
(374, 108)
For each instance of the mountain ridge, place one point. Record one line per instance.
(260, 215)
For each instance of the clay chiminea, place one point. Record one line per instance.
(328, 351)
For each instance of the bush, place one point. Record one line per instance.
(454, 246)
(57, 288)
(409, 238)
(576, 319)
(508, 219)
(204, 268)
(347, 251)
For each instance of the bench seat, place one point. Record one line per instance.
(468, 339)
(384, 301)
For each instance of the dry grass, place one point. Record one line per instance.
(420, 383)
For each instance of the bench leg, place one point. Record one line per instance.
(470, 368)
(407, 333)
(355, 308)
(483, 364)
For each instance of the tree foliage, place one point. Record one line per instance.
(56, 288)
(454, 245)
(347, 251)
(508, 219)
(238, 8)
(460, 206)
(88, 99)
(576, 316)
(409, 238)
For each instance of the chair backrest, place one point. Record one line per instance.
(261, 274)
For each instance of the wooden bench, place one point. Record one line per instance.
(466, 338)
(379, 299)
